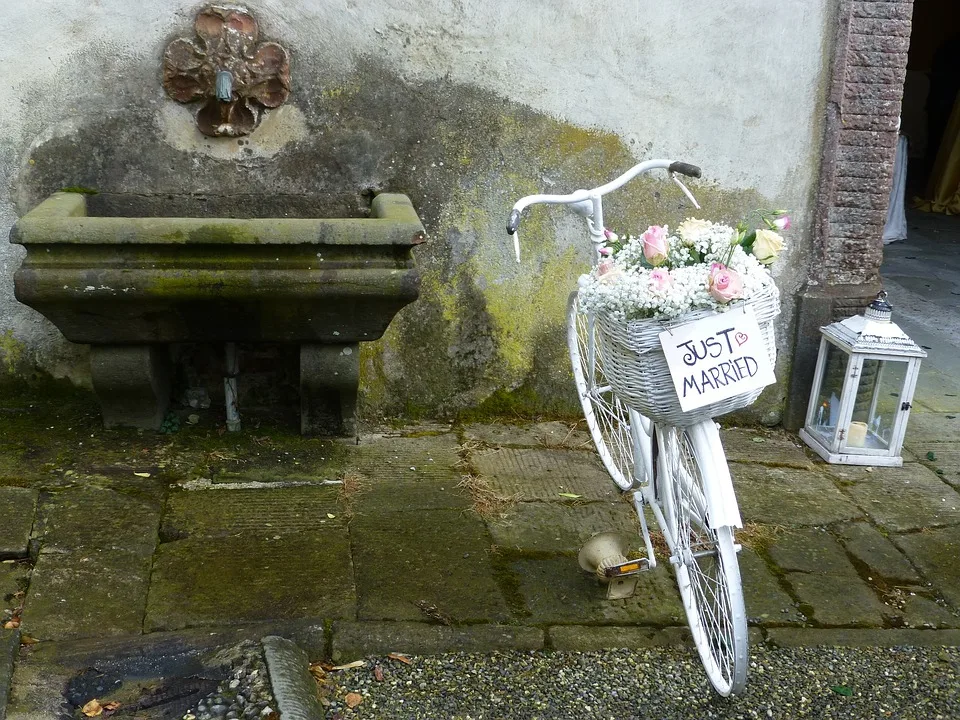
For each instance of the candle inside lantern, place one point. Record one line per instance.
(857, 434)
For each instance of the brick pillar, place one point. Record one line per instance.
(859, 144)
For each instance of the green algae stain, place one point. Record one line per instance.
(12, 352)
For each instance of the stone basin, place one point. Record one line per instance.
(129, 285)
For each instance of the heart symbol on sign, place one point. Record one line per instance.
(740, 337)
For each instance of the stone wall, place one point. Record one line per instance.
(464, 106)
(860, 137)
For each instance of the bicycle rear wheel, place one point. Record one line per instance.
(617, 431)
(704, 558)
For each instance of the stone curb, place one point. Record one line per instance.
(9, 648)
(847, 637)
(592, 638)
(352, 640)
(293, 687)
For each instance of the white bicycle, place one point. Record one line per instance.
(680, 472)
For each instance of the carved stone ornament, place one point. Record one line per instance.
(236, 77)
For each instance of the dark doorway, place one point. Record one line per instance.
(930, 88)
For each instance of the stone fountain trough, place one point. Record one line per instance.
(115, 273)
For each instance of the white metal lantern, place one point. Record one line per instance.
(862, 389)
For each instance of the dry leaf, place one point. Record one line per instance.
(28, 639)
(92, 708)
(401, 657)
(12, 624)
(378, 673)
(348, 666)
(111, 706)
(353, 699)
(143, 474)
(318, 672)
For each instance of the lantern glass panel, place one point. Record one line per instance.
(877, 404)
(827, 412)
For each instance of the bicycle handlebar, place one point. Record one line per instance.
(582, 197)
(685, 169)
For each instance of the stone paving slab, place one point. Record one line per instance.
(917, 499)
(17, 506)
(838, 600)
(847, 475)
(354, 640)
(937, 392)
(556, 591)
(936, 553)
(768, 447)
(787, 496)
(93, 517)
(93, 592)
(922, 612)
(438, 558)
(945, 463)
(430, 456)
(396, 491)
(766, 602)
(544, 474)
(873, 549)
(551, 527)
(262, 512)
(542, 435)
(204, 581)
(924, 428)
(810, 550)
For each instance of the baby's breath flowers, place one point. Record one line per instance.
(701, 265)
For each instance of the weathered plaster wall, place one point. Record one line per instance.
(464, 106)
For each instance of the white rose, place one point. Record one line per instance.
(767, 246)
(691, 228)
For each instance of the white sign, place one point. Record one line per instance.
(716, 358)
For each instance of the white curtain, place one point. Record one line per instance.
(896, 227)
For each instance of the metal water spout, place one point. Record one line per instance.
(224, 86)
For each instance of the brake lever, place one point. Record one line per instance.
(690, 197)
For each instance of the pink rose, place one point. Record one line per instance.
(782, 223)
(610, 236)
(661, 280)
(724, 284)
(605, 251)
(655, 244)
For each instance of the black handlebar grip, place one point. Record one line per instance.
(685, 169)
(514, 222)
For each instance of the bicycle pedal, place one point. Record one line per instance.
(630, 567)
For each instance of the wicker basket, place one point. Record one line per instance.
(634, 363)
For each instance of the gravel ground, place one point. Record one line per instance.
(662, 683)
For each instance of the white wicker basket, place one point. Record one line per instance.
(634, 363)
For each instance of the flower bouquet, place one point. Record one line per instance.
(662, 279)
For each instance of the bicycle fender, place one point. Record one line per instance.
(720, 496)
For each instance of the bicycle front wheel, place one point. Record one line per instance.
(617, 431)
(704, 558)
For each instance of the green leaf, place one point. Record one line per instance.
(572, 496)
(758, 440)
(931, 455)
(842, 690)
